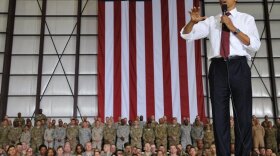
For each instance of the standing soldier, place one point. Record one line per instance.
(186, 133)
(53, 123)
(197, 131)
(84, 133)
(153, 121)
(174, 132)
(19, 119)
(148, 134)
(97, 135)
(161, 134)
(37, 135)
(72, 133)
(258, 135)
(4, 130)
(135, 135)
(40, 116)
(14, 134)
(141, 122)
(265, 122)
(270, 137)
(26, 135)
(49, 136)
(165, 120)
(122, 134)
(208, 139)
(109, 133)
(29, 123)
(60, 134)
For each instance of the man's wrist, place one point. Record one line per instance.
(193, 22)
(236, 31)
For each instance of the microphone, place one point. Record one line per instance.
(224, 8)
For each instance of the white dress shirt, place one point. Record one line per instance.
(212, 28)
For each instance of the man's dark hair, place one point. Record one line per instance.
(126, 144)
(41, 146)
(11, 146)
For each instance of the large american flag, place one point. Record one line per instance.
(144, 66)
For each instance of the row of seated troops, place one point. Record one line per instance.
(118, 133)
(137, 133)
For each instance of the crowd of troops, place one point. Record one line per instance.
(137, 134)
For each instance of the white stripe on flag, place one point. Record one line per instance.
(158, 73)
(109, 58)
(140, 60)
(191, 70)
(125, 59)
(174, 60)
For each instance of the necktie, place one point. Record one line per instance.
(224, 52)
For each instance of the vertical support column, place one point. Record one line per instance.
(41, 52)
(270, 59)
(7, 58)
(77, 61)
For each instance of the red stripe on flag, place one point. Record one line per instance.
(199, 84)
(149, 57)
(117, 60)
(132, 61)
(167, 93)
(101, 59)
(183, 70)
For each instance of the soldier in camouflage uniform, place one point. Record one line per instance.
(4, 130)
(122, 134)
(148, 134)
(153, 121)
(60, 134)
(29, 123)
(186, 133)
(265, 122)
(136, 135)
(270, 137)
(49, 136)
(208, 136)
(174, 132)
(25, 135)
(197, 131)
(84, 133)
(53, 123)
(19, 119)
(14, 134)
(97, 135)
(37, 135)
(161, 134)
(109, 133)
(72, 133)
(141, 122)
(180, 150)
(40, 116)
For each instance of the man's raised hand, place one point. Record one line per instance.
(195, 15)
